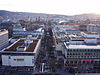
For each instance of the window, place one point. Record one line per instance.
(75, 62)
(94, 54)
(84, 62)
(67, 53)
(70, 53)
(88, 50)
(74, 53)
(9, 57)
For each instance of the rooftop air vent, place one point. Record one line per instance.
(21, 48)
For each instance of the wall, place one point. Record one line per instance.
(93, 28)
(8, 60)
(90, 41)
(90, 35)
(4, 40)
(76, 42)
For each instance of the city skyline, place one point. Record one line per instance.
(64, 7)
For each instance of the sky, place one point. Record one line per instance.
(64, 7)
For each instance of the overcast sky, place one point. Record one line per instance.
(66, 7)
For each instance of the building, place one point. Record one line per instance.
(93, 28)
(15, 38)
(24, 33)
(79, 40)
(82, 51)
(78, 50)
(90, 34)
(88, 74)
(21, 53)
(73, 31)
(81, 56)
(4, 41)
(8, 26)
(67, 26)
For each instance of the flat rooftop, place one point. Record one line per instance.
(82, 46)
(80, 37)
(21, 44)
(88, 74)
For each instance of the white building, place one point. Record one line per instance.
(21, 53)
(79, 40)
(3, 39)
(79, 55)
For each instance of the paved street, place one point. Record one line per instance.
(62, 72)
(47, 55)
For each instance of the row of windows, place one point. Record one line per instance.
(83, 50)
(83, 56)
(82, 62)
(83, 53)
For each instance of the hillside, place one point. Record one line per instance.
(86, 16)
(14, 16)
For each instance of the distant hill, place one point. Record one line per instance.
(14, 16)
(8, 15)
(86, 16)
